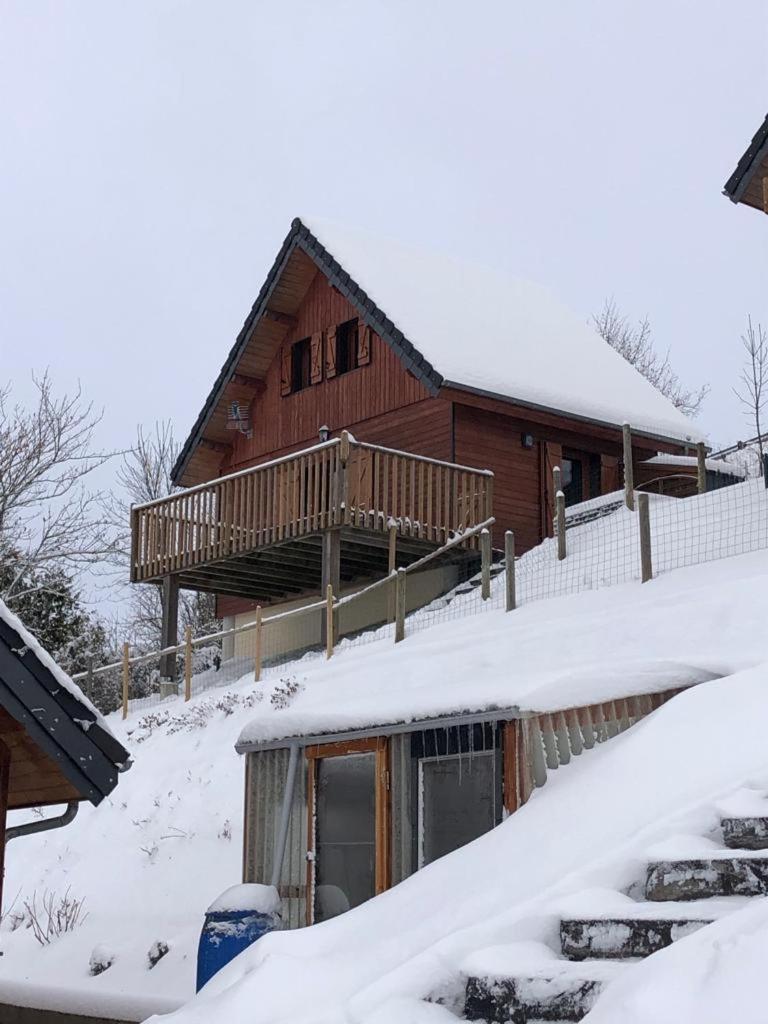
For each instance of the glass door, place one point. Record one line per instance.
(349, 810)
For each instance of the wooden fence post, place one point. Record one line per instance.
(701, 457)
(391, 567)
(509, 558)
(646, 564)
(257, 646)
(400, 605)
(126, 676)
(328, 621)
(629, 472)
(560, 505)
(485, 564)
(187, 662)
(89, 678)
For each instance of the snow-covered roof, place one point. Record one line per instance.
(36, 691)
(500, 335)
(712, 465)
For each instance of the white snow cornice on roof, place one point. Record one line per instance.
(501, 335)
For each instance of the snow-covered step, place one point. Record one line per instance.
(745, 833)
(557, 991)
(622, 938)
(735, 873)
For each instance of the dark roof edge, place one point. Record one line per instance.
(300, 235)
(61, 724)
(751, 159)
(578, 417)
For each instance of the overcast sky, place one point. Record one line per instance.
(152, 155)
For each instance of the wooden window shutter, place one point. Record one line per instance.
(363, 344)
(285, 370)
(330, 352)
(316, 358)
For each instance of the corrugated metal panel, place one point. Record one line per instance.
(267, 774)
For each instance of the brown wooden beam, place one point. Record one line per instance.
(280, 318)
(255, 383)
(215, 446)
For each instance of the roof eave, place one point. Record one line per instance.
(577, 417)
(751, 159)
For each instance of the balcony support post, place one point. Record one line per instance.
(330, 573)
(169, 683)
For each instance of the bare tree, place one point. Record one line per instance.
(145, 475)
(635, 343)
(753, 379)
(49, 520)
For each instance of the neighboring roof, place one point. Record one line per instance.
(754, 159)
(690, 461)
(56, 714)
(457, 324)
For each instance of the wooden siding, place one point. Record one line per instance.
(34, 778)
(284, 423)
(495, 441)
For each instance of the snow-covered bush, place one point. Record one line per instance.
(156, 953)
(101, 960)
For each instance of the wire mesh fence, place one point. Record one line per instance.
(602, 544)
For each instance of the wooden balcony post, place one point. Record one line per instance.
(170, 633)
(629, 472)
(509, 559)
(330, 572)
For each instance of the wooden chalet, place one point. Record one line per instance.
(460, 391)
(55, 748)
(749, 182)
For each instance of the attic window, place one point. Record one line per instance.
(300, 365)
(346, 347)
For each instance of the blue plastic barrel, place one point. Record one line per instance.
(229, 929)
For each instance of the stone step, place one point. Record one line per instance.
(711, 876)
(745, 833)
(561, 991)
(621, 938)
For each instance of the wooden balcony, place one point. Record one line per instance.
(260, 533)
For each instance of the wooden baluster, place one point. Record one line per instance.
(316, 492)
(422, 496)
(302, 515)
(375, 503)
(447, 488)
(385, 488)
(430, 516)
(324, 496)
(413, 513)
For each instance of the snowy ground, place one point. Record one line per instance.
(150, 859)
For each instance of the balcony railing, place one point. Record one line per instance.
(341, 483)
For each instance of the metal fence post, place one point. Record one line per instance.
(400, 605)
(485, 564)
(560, 505)
(629, 472)
(765, 469)
(646, 563)
(701, 463)
(509, 559)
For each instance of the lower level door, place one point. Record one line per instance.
(345, 833)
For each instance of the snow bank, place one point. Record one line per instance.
(592, 826)
(503, 336)
(153, 856)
